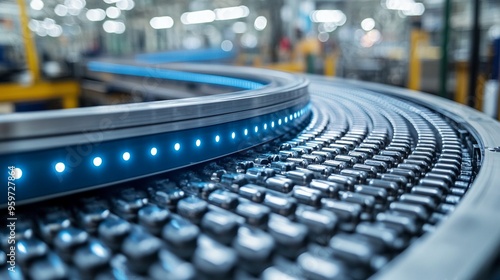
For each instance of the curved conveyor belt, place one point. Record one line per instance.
(389, 183)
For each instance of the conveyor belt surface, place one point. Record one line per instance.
(366, 181)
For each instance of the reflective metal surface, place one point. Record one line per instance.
(281, 90)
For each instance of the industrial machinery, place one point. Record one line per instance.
(277, 176)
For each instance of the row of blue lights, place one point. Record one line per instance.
(126, 156)
(71, 168)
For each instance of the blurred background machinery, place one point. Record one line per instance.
(444, 47)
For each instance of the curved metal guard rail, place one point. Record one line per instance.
(64, 151)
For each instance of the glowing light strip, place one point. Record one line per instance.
(168, 74)
(77, 167)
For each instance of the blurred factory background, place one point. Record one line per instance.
(445, 47)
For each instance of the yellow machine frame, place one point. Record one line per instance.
(38, 89)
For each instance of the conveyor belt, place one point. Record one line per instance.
(340, 180)
(67, 151)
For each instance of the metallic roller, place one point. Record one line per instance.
(466, 244)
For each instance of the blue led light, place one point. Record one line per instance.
(198, 142)
(18, 173)
(118, 154)
(279, 122)
(286, 119)
(97, 161)
(295, 115)
(256, 129)
(60, 167)
(22, 248)
(126, 156)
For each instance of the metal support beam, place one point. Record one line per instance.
(66, 91)
(417, 39)
(474, 54)
(277, 28)
(29, 44)
(443, 77)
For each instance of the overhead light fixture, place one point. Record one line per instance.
(96, 14)
(260, 23)
(75, 4)
(407, 7)
(399, 4)
(231, 13)
(161, 22)
(417, 9)
(36, 5)
(226, 45)
(239, 27)
(55, 31)
(61, 10)
(113, 12)
(111, 26)
(203, 16)
(368, 24)
(323, 16)
(125, 5)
